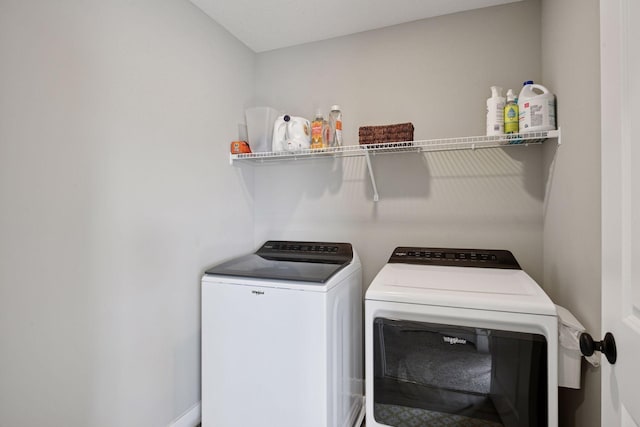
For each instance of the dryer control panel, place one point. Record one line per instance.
(487, 258)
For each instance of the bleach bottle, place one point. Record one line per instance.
(536, 108)
(495, 108)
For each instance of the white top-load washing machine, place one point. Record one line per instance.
(459, 337)
(281, 338)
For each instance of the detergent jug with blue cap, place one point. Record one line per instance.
(536, 108)
(291, 133)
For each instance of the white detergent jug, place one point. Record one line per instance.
(537, 109)
(291, 133)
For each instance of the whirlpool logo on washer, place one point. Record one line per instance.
(257, 292)
(454, 340)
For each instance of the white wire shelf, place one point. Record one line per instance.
(445, 144)
(431, 145)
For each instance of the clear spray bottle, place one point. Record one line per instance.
(335, 127)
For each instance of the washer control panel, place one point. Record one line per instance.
(279, 247)
(333, 253)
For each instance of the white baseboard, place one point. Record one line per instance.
(360, 418)
(193, 416)
(190, 418)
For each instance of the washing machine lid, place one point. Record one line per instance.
(312, 262)
(486, 280)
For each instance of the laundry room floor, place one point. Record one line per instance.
(363, 424)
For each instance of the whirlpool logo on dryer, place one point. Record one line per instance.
(257, 292)
(454, 340)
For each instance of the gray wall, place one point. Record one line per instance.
(435, 73)
(115, 193)
(571, 67)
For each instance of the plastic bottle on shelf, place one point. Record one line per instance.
(537, 108)
(511, 114)
(319, 131)
(335, 126)
(495, 112)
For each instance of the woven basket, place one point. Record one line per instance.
(388, 133)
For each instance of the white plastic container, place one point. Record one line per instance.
(569, 355)
(291, 133)
(495, 112)
(260, 121)
(536, 109)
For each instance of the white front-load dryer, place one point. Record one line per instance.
(459, 337)
(281, 338)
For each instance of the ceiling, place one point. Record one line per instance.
(272, 24)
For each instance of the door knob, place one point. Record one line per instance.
(607, 346)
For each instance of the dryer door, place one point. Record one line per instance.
(435, 374)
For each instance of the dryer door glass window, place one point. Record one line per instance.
(430, 374)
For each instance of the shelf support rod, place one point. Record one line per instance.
(376, 197)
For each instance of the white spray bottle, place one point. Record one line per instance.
(495, 112)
